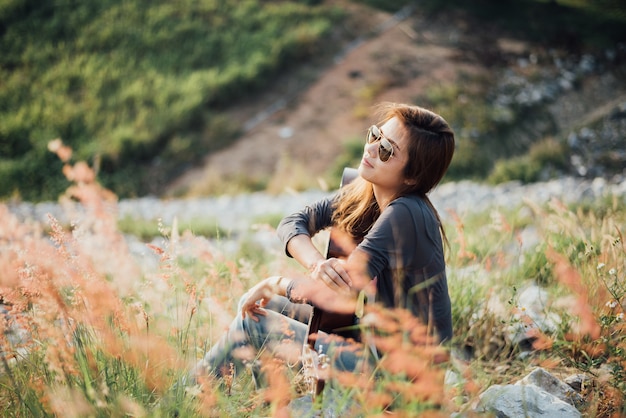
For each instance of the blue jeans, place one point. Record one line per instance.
(282, 333)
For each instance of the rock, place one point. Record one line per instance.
(523, 401)
(539, 394)
(16, 336)
(578, 381)
(333, 405)
(548, 382)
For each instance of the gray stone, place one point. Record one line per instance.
(17, 337)
(548, 382)
(523, 401)
(578, 381)
(333, 404)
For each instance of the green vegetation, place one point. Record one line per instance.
(479, 127)
(138, 87)
(102, 334)
(487, 136)
(141, 89)
(149, 229)
(544, 160)
(387, 5)
(577, 259)
(572, 24)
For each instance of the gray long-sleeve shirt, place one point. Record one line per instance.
(405, 255)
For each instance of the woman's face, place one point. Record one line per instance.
(388, 176)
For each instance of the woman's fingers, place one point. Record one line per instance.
(334, 280)
(255, 312)
(257, 298)
(335, 275)
(343, 274)
(252, 310)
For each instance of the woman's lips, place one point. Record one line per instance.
(366, 163)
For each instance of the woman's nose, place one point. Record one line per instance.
(371, 148)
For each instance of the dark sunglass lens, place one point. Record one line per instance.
(383, 153)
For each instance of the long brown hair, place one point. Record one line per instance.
(430, 149)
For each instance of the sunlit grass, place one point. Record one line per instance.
(147, 229)
(102, 335)
(577, 255)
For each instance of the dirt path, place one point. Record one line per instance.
(308, 129)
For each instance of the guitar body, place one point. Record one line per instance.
(338, 247)
(330, 322)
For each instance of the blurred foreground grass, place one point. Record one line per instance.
(91, 331)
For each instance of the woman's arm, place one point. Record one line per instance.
(321, 296)
(302, 249)
(308, 221)
(296, 231)
(298, 291)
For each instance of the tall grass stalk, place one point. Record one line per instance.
(578, 256)
(89, 330)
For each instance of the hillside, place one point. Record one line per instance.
(211, 97)
(137, 89)
(295, 131)
(109, 301)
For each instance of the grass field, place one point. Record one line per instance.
(92, 332)
(140, 90)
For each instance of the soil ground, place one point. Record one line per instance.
(298, 126)
(383, 59)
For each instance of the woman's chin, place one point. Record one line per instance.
(364, 170)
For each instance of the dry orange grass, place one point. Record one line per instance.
(101, 334)
(78, 294)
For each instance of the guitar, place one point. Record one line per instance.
(315, 363)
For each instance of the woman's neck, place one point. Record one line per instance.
(382, 197)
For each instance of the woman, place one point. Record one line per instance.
(399, 257)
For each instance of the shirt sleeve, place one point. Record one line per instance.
(308, 221)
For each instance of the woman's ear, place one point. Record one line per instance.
(410, 182)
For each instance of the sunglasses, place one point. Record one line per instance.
(385, 149)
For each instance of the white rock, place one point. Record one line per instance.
(523, 401)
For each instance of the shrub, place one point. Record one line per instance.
(139, 87)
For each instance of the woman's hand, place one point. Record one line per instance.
(332, 272)
(329, 271)
(259, 296)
